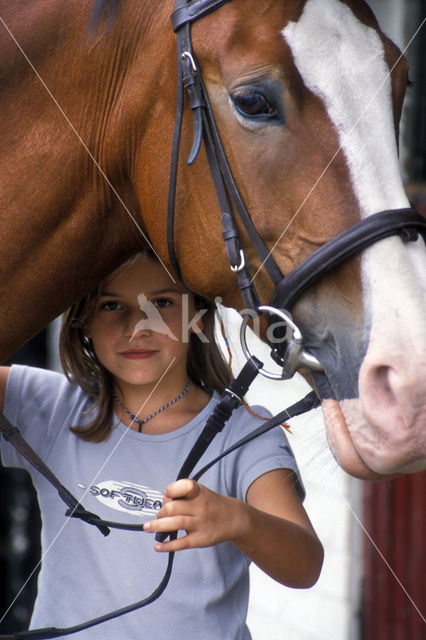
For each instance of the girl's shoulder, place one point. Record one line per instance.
(41, 379)
(42, 404)
(40, 390)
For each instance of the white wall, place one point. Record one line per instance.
(327, 611)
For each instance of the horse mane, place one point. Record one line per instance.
(103, 8)
(108, 10)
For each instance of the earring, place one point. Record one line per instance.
(87, 344)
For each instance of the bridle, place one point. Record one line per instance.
(407, 223)
(288, 353)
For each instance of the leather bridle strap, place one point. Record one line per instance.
(230, 399)
(404, 222)
(187, 13)
(12, 435)
(205, 129)
(407, 223)
(58, 632)
(309, 402)
(75, 508)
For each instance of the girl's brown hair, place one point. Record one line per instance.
(206, 365)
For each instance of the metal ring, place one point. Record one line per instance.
(285, 317)
(243, 341)
(297, 356)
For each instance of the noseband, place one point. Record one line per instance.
(288, 353)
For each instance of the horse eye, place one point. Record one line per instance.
(253, 104)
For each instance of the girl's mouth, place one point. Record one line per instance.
(136, 354)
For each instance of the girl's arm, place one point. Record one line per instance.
(271, 528)
(282, 540)
(4, 374)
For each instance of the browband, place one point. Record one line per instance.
(188, 13)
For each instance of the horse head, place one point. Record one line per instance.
(307, 102)
(307, 96)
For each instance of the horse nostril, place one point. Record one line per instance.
(388, 395)
(381, 379)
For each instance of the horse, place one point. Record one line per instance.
(307, 97)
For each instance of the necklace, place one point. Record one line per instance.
(144, 420)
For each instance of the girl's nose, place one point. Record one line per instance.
(137, 325)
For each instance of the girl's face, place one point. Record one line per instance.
(139, 328)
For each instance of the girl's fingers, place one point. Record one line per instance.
(175, 507)
(171, 523)
(167, 525)
(176, 496)
(191, 507)
(174, 545)
(185, 488)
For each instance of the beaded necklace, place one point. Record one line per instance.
(141, 422)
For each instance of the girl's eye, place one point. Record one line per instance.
(111, 305)
(162, 303)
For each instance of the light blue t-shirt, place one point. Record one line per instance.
(84, 574)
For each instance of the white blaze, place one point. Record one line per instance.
(341, 61)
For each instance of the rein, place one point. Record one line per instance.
(407, 223)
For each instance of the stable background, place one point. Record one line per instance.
(373, 582)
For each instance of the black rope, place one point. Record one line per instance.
(56, 632)
(310, 401)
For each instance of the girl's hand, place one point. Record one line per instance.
(271, 528)
(207, 517)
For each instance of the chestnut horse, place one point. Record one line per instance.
(307, 96)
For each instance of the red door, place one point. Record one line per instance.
(394, 586)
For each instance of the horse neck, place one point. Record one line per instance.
(68, 102)
(74, 82)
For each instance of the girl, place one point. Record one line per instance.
(142, 374)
